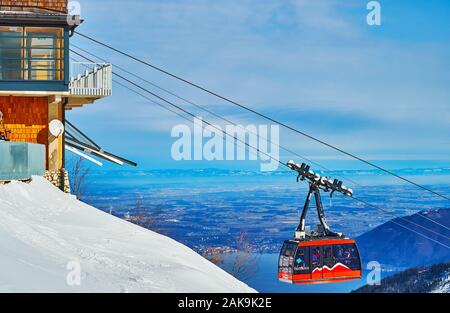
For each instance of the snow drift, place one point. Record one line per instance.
(44, 233)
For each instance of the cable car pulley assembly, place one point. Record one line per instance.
(316, 184)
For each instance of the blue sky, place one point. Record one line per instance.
(378, 91)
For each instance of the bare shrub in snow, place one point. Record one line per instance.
(78, 176)
(144, 216)
(245, 263)
(242, 263)
(215, 255)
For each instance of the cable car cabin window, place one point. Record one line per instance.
(348, 255)
(286, 260)
(328, 258)
(316, 257)
(301, 261)
(289, 249)
(31, 53)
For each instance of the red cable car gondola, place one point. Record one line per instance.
(320, 256)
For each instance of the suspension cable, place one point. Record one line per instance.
(189, 113)
(214, 114)
(227, 120)
(249, 146)
(265, 117)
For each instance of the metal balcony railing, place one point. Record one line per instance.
(91, 80)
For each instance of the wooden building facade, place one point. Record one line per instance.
(36, 86)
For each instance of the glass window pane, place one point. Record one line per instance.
(10, 55)
(289, 249)
(328, 258)
(41, 46)
(31, 53)
(42, 65)
(348, 255)
(41, 75)
(316, 257)
(44, 54)
(301, 262)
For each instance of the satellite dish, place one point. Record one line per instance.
(56, 128)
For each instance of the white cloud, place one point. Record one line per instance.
(285, 56)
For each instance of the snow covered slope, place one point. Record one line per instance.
(43, 232)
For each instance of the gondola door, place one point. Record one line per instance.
(328, 263)
(316, 263)
(302, 272)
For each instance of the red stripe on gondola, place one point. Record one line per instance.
(343, 276)
(326, 242)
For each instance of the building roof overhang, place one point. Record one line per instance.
(19, 93)
(38, 19)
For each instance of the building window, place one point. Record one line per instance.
(31, 53)
(10, 54)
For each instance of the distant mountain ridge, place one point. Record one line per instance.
(431, 279)
(248, 172)
(391, 244)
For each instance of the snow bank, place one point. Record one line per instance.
(43, 230)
